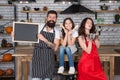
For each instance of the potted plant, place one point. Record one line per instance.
(117, 17)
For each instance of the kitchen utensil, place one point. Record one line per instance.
(1, 29)
(104, 7)
(36, 9)
(26, 8)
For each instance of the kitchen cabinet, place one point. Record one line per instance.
(100, 11)
(5, 65)
(7, 16)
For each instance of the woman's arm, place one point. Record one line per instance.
(97, 41)
(82, 43)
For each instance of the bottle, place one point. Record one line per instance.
(30, 20)
(4, 43)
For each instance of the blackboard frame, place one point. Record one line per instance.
(25, 32)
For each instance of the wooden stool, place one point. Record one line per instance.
(66, 76)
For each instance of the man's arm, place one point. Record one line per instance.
(57, 43)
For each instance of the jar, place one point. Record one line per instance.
(26, 8)
(45, 8)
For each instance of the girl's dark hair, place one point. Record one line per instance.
(81, 30)
(73, 25)
(52, 12)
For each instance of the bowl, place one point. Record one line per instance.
(104, 7)
(36, 9)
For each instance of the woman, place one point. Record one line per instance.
(68, 39)
(89, 66)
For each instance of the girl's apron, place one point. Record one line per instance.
(43, 57)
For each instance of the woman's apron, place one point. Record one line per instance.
(43, 57)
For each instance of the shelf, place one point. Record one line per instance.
(3, 62)
(107, 10)
(6, 48)
(7, 19)
(7, 5)
(4, 76)
(116, 25)
(33, 11)
(5, 34)
(100, 11)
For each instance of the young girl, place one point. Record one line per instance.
(68, 39)
(89, 66)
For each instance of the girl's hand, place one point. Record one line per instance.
(70, 32)
(66, 31)
(61, 25)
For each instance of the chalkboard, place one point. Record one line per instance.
(25, 32)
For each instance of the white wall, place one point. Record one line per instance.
(109, 35)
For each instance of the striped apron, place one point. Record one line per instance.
(43, 57)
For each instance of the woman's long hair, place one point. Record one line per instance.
(81, 30)
(73, 25)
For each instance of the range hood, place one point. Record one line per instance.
(76, 8)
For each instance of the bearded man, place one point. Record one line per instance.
(43, 56)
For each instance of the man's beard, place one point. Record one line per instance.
(51, 23)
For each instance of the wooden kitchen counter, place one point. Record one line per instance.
(23, 55)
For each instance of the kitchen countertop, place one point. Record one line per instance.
(28, 50)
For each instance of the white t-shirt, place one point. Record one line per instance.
(73, 47)
(57, 33)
